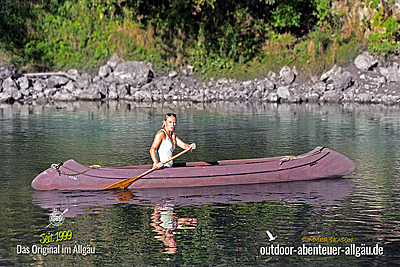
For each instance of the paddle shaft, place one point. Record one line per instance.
(127, 182)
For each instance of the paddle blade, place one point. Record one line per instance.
(122, 184)
(127, 182)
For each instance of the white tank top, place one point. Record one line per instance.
(165, 149)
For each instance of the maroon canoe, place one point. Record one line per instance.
(316, 164)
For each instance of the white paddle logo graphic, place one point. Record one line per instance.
(56, 218)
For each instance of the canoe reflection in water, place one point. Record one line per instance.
(318, 193)
(165, 223)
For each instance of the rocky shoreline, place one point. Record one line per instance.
(363, 81)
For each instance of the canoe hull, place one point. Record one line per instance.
(317, 164)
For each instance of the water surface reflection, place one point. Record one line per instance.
(165, 203)
(231, 223)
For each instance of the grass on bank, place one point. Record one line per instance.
(132, 43)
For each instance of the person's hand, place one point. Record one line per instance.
(158, 165)
(193, 146)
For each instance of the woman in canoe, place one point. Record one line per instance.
(165, 141)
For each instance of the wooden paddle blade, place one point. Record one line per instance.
(127, 182)
(122, 184)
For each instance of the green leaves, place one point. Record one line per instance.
(384, 42)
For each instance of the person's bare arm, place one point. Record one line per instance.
(183, 145)
(156, 143)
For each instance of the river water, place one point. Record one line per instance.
(221, 226)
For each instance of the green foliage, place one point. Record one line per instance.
(230, 38)
(386, 41)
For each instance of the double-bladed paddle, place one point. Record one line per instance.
(127, 182)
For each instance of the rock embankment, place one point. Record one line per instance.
(364, 81)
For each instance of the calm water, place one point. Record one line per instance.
(220, 226)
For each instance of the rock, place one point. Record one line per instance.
(312, 97)
(69, 87)
(123, 91)
(319, 87)
(258, 94)
(341, 81)
(332, 72)
(83, 82)
(331, 97)
(73, 74)
(392, 73)
(49, 92)
(287, 75)
(112, 94)
(63, 96)
(9, 85)
(364, 98)
(172, 74)
(96, 79)
(133, 73)
(114, 61)
(348, 95)
(15, 94)
(283, 92)
(248, 84)
(112, 91)
(89, 94)
(294, 99)
(199, 98)
(273, 97)
(380, 81)
(40, 99)
(133, 81)
(365, 62)
(4, 97)
(268, 85)
(39, 85)
(57, 81)
(222, 81)
(109, 79)
(6, 72)
(99, 87)
(23, 82)
(260, 88)
(142, 96)
(104, 71)
(389, 100)
(77, 92)
(24, 92)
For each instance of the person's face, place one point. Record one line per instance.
(170, 123)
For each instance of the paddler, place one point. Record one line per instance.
(165, 141)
